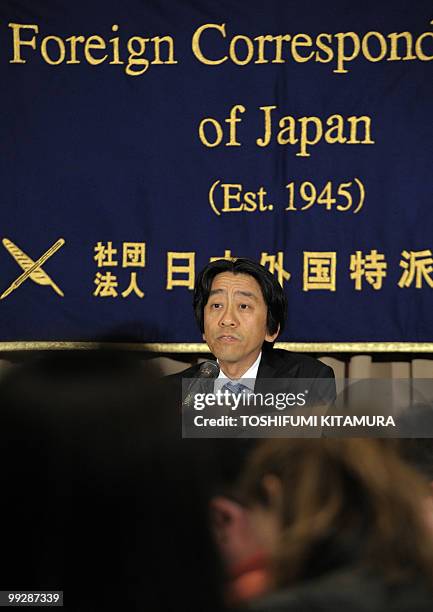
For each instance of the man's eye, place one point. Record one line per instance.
(216, 306)
(244, 306)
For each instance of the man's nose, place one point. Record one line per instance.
(228, 317)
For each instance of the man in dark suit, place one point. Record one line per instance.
(240, 309)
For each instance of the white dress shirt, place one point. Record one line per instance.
(248, 379)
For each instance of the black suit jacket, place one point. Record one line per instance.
(283, 365)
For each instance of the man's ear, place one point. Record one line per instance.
(272, 337)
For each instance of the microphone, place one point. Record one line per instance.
(207, 370)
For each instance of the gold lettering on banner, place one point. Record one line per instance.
(309, 131)
(395, 37)
(133, 287)
(213, 138)
(342, 51)
(187, 270)
(366, 49)
(58, 48)
(136, 50)
(204, 134)
(106, 285)
(104, 255)
(95, 42)
(372, 266)
(137, 53)
(419, 50)
(196, 43)
(278, 40)
(234, 50)
(134, 254)
(301, 40)
(276, 264)
(18, 42)
(232, 121)
(320, 270)
(418, 267)
(73, 41)
(115, 41)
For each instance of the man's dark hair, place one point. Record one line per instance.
(272, 291)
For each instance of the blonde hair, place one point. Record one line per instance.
(352, 501)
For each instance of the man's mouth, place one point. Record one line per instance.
(228, 338)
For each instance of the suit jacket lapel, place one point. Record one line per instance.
(266, 370)
(273, 367)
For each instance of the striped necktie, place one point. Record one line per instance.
(236, 388)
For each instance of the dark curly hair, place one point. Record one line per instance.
(272, 291)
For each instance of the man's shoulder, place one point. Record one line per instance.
(275, 363)
(281, 364)
(278, 363)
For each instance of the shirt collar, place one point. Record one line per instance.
(248, 379)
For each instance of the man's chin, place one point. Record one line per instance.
(226, 354)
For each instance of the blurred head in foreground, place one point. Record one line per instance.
(323, 505)
(101, 497)
(245, 562)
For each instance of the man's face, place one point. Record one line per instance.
(235, 321)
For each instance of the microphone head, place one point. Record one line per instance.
(209, 369)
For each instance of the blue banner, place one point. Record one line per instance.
(141, 140)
